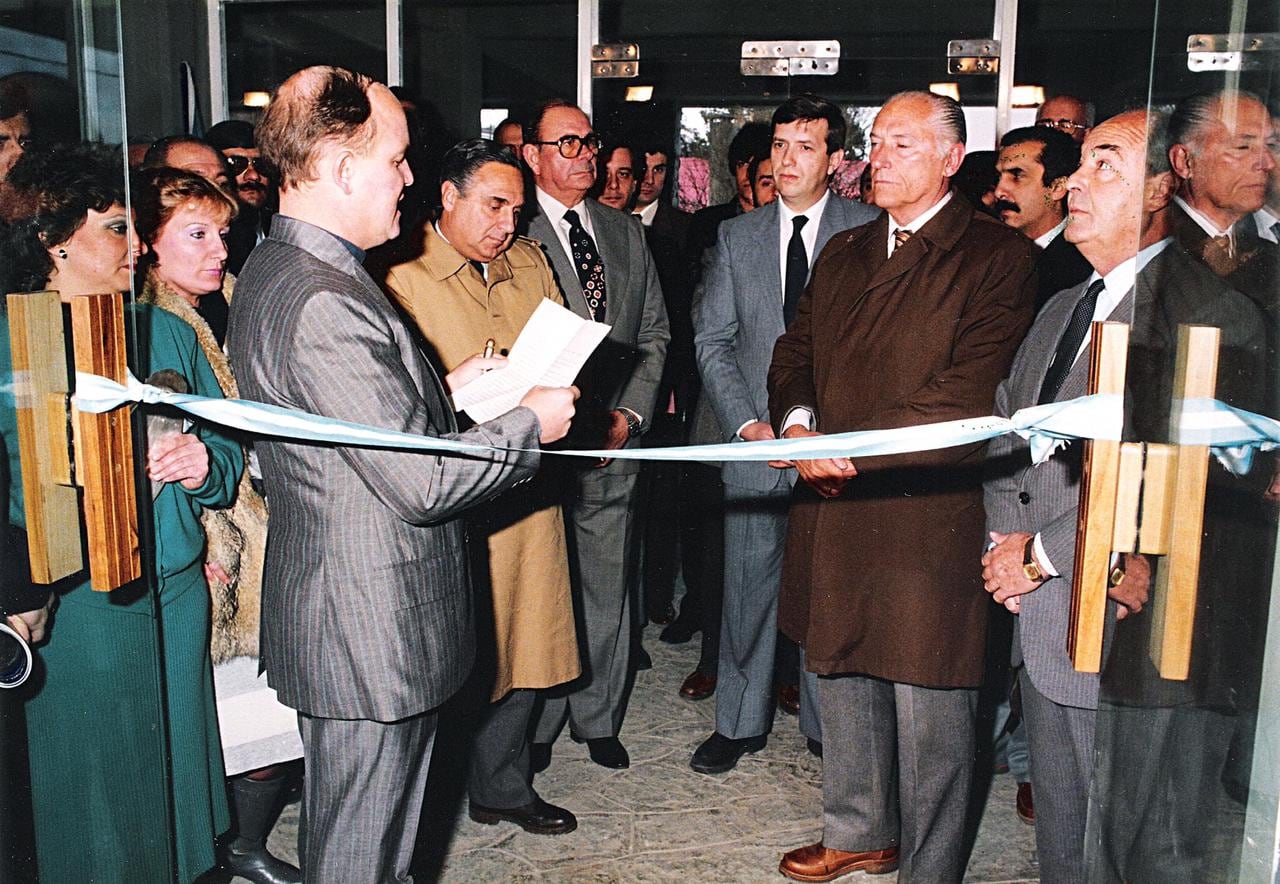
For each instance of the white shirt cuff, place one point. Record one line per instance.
(798, 416)
(1043, 558)
(745, 424)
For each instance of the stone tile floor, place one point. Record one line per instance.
(660, 821)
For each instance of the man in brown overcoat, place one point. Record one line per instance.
(911, 319)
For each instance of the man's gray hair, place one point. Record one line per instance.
(1193, 115)
(948, 115)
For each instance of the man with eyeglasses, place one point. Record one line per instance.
(1066, 113)
(251, 186)
(606, 273)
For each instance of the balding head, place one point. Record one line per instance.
(1068, 114)
(338, 141)
(316, 106)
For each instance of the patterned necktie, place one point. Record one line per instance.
(1218, 256)
(900, 237)
(589, 265)
(1069, 344)
(797, 270)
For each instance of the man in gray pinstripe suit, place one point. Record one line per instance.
(1119, 209)
(366, 623)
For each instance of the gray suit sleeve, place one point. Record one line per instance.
(349, 368)
(641, 391)
(715, 332)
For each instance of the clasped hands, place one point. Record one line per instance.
(826, 475)
(1004, 578)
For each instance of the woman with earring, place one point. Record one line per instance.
(123, 752)
(183, 218)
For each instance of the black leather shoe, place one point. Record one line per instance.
(539, 757)
(662, 615)
(260, 867)
(719, 754)
(814, 747)
(641, 659)
(537, 817)
(679, 631)
(605, 751)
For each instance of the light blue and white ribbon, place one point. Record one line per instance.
(1233, 434)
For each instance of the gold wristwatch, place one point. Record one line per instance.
(1029, 565)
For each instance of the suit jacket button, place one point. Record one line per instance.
(1024, 498)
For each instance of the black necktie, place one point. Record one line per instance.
(1065, 356)
(797, 269)
(589, 265)
(1275, 231)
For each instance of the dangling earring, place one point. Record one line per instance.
(62, 253)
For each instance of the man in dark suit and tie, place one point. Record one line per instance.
(1031, 196)
(911, 319)
(366, 607)
(748, 295)
(1120, 206)
(606, 273)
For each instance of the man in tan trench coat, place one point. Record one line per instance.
(473, 280)
(911, 319)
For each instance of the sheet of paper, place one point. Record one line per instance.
(551, 350)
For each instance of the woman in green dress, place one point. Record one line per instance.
(121, 727)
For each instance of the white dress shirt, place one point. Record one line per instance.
(1265, 220)
(648, 213)
(808, 234)
(924, 218)
(1116, 284)
(1049, 236)
(554, 210)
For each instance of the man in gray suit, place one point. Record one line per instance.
(752, 281)
(366, 608)
(606, 273)
(1119, 203)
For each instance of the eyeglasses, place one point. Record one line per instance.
(1062, 125)
(572, 145)
(239, 164)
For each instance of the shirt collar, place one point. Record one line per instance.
(924, 217)
(648, 213)
(1201, 221)
(813, 212)
(1264, 218)
(1047, 237)
(553, 208)
(1125, 274)
(355, 250)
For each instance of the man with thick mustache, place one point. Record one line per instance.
(1031, 196)
(252, 187)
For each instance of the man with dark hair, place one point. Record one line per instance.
(1031, 196)
(747, 297)
(472, 281)
(366, 606)
(1068, 114)
(909, 320)
(251, 186)
(751, 141)
(510, 133)
(607, 274)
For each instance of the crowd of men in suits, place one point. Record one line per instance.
(849, 592)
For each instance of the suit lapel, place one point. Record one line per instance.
(764, 260)
(540, 228)
(611, 240)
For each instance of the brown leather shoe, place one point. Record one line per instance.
(789, 699)
(1026, 808)
(698, 686)
(814, 862)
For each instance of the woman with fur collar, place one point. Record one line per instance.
(184, 217)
